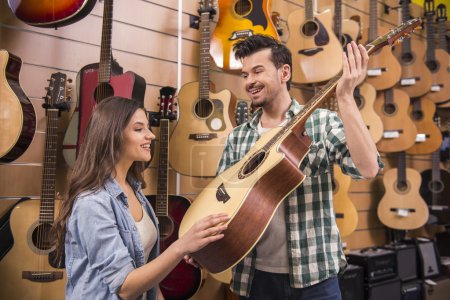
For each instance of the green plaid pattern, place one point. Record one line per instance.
(312, 234)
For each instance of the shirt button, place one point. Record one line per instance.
(134, 228)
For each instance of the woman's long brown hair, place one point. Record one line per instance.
(99, 153)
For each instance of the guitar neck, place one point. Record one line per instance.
(442, 34)
(104, 72)
(338, 18)
(309, 10)
(162, 208)
(373, 19)
(47, 205)
(406, 44)
(401, 169)
(204, 55)
(430, 38)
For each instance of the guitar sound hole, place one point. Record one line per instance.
(407, 57)
(165, 227)
(389, 109)
(432, 65)
(203, 108)
(254, 162)
(243, 7)
(417, 115)
(102, 91)
(41, 237)
(310, 28)
(436, 187)
(402, 186)
(359, 102)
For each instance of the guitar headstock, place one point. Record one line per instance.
(56, 93)
(441, 13)
(242, 112)
(206, 6)
(428, 6)
(394, 36)
(166, 103)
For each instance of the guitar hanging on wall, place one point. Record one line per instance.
(200, 135)
(97, 82)
(262, 179)
(184, 280)
(29, 269)
(443, 46)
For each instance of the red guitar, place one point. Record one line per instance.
(185, 280)
(96, 83)
(53, 13)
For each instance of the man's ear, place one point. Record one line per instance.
(285, 73)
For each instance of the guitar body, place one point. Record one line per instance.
(249, 200)
(408, 199)
(128, 85)
(53, 13)
(197, 157)
(344, 209)
(365, 101)
(385, 62)
(350, 31)
(436, 193)
(425, 125)
(440, 77)
(311, 48)
(239, 19)
(395, 118)
(184, 280)
(17, 115)
(413, 68)
(26, 256)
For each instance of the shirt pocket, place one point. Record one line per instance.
(127, 238)
(315, 162)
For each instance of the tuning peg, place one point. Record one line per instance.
(69, 80)
(69, 90)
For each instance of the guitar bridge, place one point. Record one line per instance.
(37, 276)
(221, 194)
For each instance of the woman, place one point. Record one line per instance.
(105, 226)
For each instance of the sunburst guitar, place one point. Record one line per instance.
(239, 19)
(29, 270)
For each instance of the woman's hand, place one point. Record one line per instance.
(205, 231)
(354, 70)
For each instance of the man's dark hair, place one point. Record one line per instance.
(280, 53)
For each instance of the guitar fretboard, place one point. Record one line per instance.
(430, 38)
(406, 43)
(373, 20)
(104, 74)
(204, 55)
(338, 18)
(309, 10)
(162, 208)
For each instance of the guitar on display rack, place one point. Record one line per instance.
(200, 135)
(346, 30)
(365, 95)
(238, 20)
(97, 82)
(384, 70)
(17, 115)
(29, 269)
(262, 179)
(184, 280)
(313, 42)
(51, 13)
(441, 19)
(399, 131)
(416, 78)
(402, 207)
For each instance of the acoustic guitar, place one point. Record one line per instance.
(399, 131)
(402, 207)
(365, 95)
(238, 20)
(384, 70)
(51, 13)
(97, 82)
(435, 189)
(17, 115)
(29, 270)
(436, 60)
(416, 78)
(312, 42)
(441, 19)
(346, 30)
(429, 137)
(200, 135)
(251, 190)
(184, 280)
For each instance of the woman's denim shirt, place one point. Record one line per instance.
(102, 243)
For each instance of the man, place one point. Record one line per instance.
(300, 254)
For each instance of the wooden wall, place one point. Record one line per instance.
(144, 40)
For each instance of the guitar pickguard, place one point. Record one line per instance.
(256, 15)
(216, 121)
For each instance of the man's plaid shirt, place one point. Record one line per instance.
(314, 244)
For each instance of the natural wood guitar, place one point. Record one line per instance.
(97, 82)
(251, 190)
(443, 46)
(365, 95)
(200, 135)
(436, 60)
(51, 13)
(29, 270)
(402, 207)
(17, 115)
(416, 78)
(312, 42)
(184, 280)
(429, 137)
(399, 131)
(346, 30)
(384, 70)
(238, 20)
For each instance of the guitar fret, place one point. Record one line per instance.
(373, 20)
